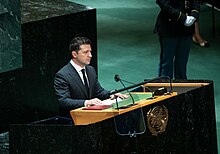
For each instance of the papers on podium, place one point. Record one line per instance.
(111, 101)
(106, 104)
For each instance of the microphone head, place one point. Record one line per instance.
(117, 77)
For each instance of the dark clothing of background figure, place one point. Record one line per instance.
(174, 35)
(170, 21)
(71, 92)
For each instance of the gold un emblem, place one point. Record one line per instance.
(157, 119)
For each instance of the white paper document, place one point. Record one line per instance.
(111, 101)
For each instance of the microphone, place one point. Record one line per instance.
(157, 92)
(117, 78)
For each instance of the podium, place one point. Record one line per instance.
(182, 121)
(85, 117)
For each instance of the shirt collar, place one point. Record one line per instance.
(77, 67)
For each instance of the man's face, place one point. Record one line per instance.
(83, 56)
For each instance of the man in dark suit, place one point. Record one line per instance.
(76, 84)
(175, 27)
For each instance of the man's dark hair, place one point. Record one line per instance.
(77, 42)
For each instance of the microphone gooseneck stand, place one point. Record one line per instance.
(133, 136)
(142, 83)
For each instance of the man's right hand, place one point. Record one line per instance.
(92, 102)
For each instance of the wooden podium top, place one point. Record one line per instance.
(85, 117)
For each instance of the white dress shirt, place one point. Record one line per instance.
(79, 70)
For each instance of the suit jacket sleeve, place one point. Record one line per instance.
(63, 93)
(178, 13)
(172, 16)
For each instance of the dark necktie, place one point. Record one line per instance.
(85, 80)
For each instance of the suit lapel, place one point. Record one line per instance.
(75, 76)
(90, 78)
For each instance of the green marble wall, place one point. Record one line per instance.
(10, 35)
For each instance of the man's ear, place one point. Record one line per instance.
(74, 54)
